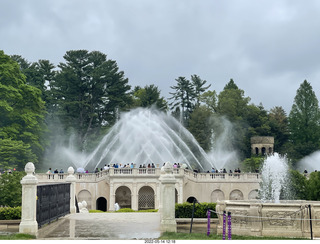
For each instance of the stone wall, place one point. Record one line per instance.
(284, 219)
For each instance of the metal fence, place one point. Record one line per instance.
(53, 201)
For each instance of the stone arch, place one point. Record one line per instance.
(101, 204)
(123, 197)
(191, 199)
(236, 195)
(253, 194)
(263, 151)
(270, 150)
(217, 195)
(146, 198)
(256, 151)
(85, 195)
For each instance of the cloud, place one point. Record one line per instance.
(267, 47)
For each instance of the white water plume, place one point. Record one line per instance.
(222, 154)
(310, 162)
(146, 136)
(274, 174)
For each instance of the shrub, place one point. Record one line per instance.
(7, 213)
(125, 210)
(184, 210)
(96, 211)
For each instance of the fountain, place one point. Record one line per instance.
(270, 216)
(274, 176)
(142, 137)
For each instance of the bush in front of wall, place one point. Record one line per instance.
(8, 213)
(184, 210)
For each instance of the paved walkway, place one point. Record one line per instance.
(112, 226)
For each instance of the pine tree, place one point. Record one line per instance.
(304, 119)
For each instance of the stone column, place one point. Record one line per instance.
(167, 198)
(256, 224)
(72, 179)
(29, 224)
(134, 196)
(112, 200)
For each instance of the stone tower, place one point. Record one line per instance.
(262, 145)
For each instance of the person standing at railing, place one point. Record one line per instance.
(49, 172)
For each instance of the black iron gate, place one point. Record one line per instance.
(53, 201)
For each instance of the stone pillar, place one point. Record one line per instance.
(134, 197)
(29, 224)
(72, 179)
(112, 200)
(256, 224)
(167, 198)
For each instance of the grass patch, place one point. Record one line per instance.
(201, 236)
(17, 236)
(96, 211)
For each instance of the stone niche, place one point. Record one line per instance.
(262, 145)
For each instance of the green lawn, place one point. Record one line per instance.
(17, 237)
(200, 236)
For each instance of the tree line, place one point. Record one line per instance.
(85, 94)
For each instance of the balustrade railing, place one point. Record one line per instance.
(144, 172)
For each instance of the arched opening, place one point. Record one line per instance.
(270, 150)
(257, 151)
(236, 195)
(191, 199)
(101, 204)
(123, 197)
(176, 196)
(217, 195)
(253, 194)
(146, 198)
(263, 151)
(85, 195)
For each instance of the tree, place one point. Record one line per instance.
(278, 122)
(11, 189)
(232, 103)
(200, 126)
(209, 98)
(89, 91)
(252, 164)
(183, 99)
(149, 96)
(22, 117)
(199, 88)
(313, 186)
(38, 74)
(304, 121)
(298, 185)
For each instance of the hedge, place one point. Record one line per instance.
(7, 213)
(184, 210)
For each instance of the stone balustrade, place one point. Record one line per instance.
(149, 172)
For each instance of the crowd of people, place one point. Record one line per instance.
(141, 166)
(2, 171)
(224, 171)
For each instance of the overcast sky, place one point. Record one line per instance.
(268, 47)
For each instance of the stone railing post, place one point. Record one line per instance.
(72, 180)
(167, 199)
(28, 224)
(256, 224)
